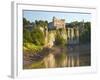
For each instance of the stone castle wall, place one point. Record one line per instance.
(58, 23)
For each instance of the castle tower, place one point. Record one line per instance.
(58, 23)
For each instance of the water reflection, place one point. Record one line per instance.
(49, 61)
(70, 56)
(73, 55)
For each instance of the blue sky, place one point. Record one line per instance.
(44, 15)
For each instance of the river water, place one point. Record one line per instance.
(57, 57)
(68, 57)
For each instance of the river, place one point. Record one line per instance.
(78, 55)
(70, 56)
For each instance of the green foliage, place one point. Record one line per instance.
(85, 35)
(41, 23)
(25, 22)
(26, 36)
(59, 40)
(38, 37)
(35, 35)
(32, 47)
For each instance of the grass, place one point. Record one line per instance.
(32, 47)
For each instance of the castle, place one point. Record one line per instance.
(71, 34)
(56, 23)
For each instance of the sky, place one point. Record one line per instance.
(44, 15)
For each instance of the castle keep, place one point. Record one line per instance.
(56, 23)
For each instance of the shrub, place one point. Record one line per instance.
(38, 37)
(27, 36)
(32, 47)
(59, 40)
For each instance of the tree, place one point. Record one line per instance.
(41, 23)
(26, 36)
(38, 37)
(85, 35)
(25, 22)
(59, 40)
